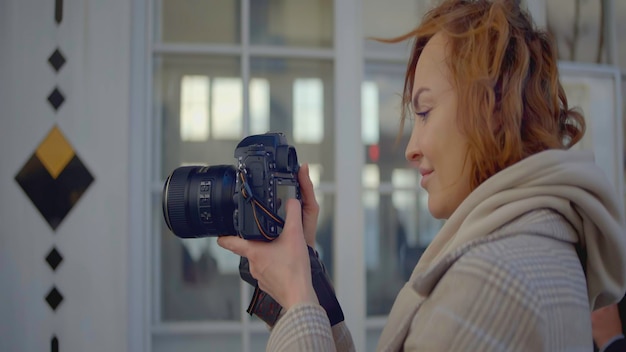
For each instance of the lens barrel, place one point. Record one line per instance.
(198, 201)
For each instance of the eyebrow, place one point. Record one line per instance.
(416, 97)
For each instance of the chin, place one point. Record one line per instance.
(437, 210)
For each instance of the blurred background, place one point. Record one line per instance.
(101, 100)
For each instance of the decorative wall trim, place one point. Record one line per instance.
(54, 259)
(56, 60)
(54, 344)
(58, 11)
(54, 298)
(56, 98)
(54, 178)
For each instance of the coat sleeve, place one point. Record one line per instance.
(305, 327)
(477, 306)
(618, 345)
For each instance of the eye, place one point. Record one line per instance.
(423, 115)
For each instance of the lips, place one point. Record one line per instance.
(425, 176)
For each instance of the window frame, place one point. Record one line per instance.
(349, 57)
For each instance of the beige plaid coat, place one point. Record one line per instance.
(504, 273)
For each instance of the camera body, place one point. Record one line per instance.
(247, 199)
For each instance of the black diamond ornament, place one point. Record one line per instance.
(56, 60)
(56, 98)
(54, 298)
(54, 258)
(54, 198)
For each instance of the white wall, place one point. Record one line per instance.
(93, 239)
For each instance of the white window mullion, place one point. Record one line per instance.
(245, 79)
(139, 254)
(245, 63)
(155, 127)
(348, 232)
(610, 32)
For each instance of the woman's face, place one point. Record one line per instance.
(436, 146)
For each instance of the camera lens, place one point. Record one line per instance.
(198, 201)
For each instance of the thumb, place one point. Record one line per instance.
(293, 222)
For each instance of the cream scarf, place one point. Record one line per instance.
(568, 182)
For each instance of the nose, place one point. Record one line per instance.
(413, 151)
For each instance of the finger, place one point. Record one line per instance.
(234, 244)
(306, 189)
(310, 207)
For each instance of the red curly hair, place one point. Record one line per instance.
(511, 102)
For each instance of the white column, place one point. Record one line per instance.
(349, 158)
(94, 38)
(139, 248)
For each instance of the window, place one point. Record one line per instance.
(308, 106)
(194, 112)
(233, 68)
(202, 110)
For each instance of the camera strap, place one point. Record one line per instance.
(324, 289)
(266, 308)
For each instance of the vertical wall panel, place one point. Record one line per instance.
(94, 37)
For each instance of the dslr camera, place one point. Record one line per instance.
(247, 199)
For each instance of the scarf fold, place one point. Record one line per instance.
(568, 182)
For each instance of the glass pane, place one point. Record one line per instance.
(624, 128)
(325, 230)
(259, 105)
(620, 28)
(381, 109)
(258, 341)
(299, 102)
(308, 110)
(391, 18)
(384, 278)
(370, 130)
(199, 279)
(208, 21)
(371, 339)
(200, 101)
(398, 230)
(227, 108)
(398, 224)
(292, 23)
(194, 112)
(198, 343)
(576, 26)
(419, 225)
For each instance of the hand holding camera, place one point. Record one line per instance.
(246, 205)
(281, 267)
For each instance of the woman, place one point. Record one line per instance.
(534, 234)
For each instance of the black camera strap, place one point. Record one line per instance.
(266, 308)
(324, 289)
